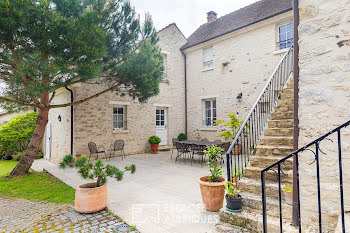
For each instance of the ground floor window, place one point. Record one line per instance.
(209, 113)
(119, 117)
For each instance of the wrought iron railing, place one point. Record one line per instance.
(313, 147)
(247, 138)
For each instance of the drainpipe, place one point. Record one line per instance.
(71, 120)
(295, 219)
(185, 71)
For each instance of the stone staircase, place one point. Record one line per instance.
(276, 143)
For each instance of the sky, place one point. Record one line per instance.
(187, 14)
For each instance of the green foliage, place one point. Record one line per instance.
(288, 188)
(231, 127)
(97, 170)
(214, 154)
(16, 134)
(18, 156)
(182, 137)
(38, 186)
(232, 190)
(154, 140)
(237, 172)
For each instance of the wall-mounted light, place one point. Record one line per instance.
(59, 118)
(239, 97)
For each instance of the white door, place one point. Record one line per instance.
(161, 125)
(48, 141)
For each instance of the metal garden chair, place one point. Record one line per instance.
(174, 140)
(118, 145)
(96, 150)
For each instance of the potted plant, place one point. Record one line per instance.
(236, 175)
(233, 198)
(288, 193)
(213, 186)
(154, 141)
(229, 130)
(182, 137)
(93, 197)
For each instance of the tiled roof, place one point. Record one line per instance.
(236, 20)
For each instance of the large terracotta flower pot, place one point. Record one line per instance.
(90, 199)
(213, 193)
(154, 148)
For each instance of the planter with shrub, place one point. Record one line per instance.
(93, 197)
(233, 198)
(154, 141)
(213, 186)
(182, 137)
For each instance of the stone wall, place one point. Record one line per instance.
(324, 103)
(243, 62)
(94, 119)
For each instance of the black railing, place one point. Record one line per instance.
(247, 138)
(314, 148)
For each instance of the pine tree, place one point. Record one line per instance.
(50, 44)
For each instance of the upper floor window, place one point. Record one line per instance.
(285, 35)
(119, 117)
(164, 77)
(209, 112)
(208, 58)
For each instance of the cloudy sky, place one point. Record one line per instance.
(187, 14)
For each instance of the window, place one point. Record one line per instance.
(164, 77)
(285, 34)
(119, 117)
(209, 112)
(208, 58)
(160, 117)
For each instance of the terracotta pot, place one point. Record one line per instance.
(213, 193)
(288, 196)
(90, 199)
(154, 148)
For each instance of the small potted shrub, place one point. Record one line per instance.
(213, 186)
(93, 197)
(288, 193)
(154, 141)
(233, 198)
(182, 137)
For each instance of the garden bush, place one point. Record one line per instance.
(16, 134)
(182, 137)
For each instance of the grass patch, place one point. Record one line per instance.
(39, 186)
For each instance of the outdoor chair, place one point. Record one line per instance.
(174, 140)
(182, 149)
(96, 150)
(198, 150)
(118, 145)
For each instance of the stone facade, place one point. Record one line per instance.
(243, 62)
(93, 120)
(324, 39)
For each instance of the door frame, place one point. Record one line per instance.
(48, 141)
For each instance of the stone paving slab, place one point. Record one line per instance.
(17, 215)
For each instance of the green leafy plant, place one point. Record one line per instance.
(182, 136)
(18, 156)
(288, 188)
(237, 172)
(232, 190)
(214, 154)
(96, 170)
(229, 128)
(154, 140)
(16, 134)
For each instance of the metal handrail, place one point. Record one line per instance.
(248, 131)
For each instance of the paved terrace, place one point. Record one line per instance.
(162, 196)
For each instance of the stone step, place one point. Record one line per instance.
(282, 115)
(165, 148)
(287, 95)
(254, 187)
(272, 205)
(273, 150)
(255, 173)
(285, 101)
(284, 108)
(280, 123)
(276, 141)
(264, 161)
(252, 221)
(227, 228)
(287, 132)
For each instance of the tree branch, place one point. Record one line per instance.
(53, 95)
(17, 102)
(86, 99)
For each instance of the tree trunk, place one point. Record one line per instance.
(28, 158)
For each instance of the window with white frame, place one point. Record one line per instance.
(164, 77)
(285, 36)
(119, 117)
(208, 58)
(209, 113)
